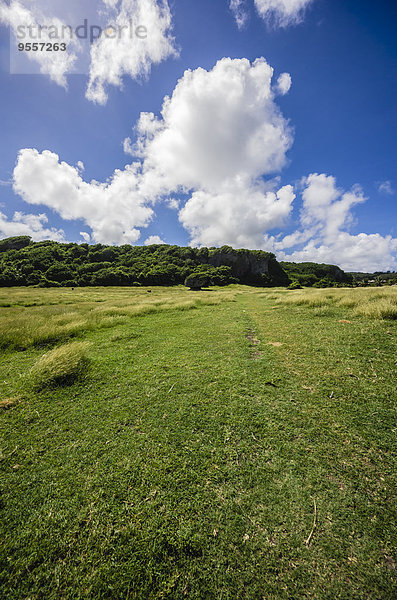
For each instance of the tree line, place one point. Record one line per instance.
(52, 264)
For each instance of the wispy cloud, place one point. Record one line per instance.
(25, 17)
(239, 10)
(145, 39)
(385, 187)
(277, 13)
(140, 35)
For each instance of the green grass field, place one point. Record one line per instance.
(227, 444)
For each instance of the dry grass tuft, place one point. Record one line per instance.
(8, 403)
(60, 366)
(373, 303)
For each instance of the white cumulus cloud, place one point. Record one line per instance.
(324, 236)
(284, 83)
(111, 3)
(86, 236)
(28, 224)
(173, 203)
(220, 132)
(113, 210)
(218, 125)
(153, 239)
(237, 216)
(141, 37)
(128, 147)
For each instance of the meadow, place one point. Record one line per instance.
(233, 443)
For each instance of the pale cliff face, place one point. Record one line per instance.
(242, 265)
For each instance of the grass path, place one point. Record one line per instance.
(188, 463)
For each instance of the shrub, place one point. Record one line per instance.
(196, 281)
(323, 283)
(60, 366)
(46, 283)
(295, 285)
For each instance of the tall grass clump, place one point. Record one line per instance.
(362, 302)
(60, 366)
(21, 328)
(383, 308)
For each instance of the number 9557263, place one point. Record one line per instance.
(41, 47)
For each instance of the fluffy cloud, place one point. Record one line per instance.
(237, 217)
(284, 83)
(86, 236)
(114, 210)
(153, 239)
(325, 207)
(125, 52)
(279, 13)
(128, 146)
(362, 252)
(54, 64)
(219, 125)
(324, 237)
(173, 204)
(32, 225)
(219, 133)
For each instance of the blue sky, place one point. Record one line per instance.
(306, 170)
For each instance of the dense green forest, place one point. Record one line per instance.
(379, 277)
(51, 264)
(318, 275)
(309, 274)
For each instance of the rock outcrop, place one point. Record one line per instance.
(249, 266)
